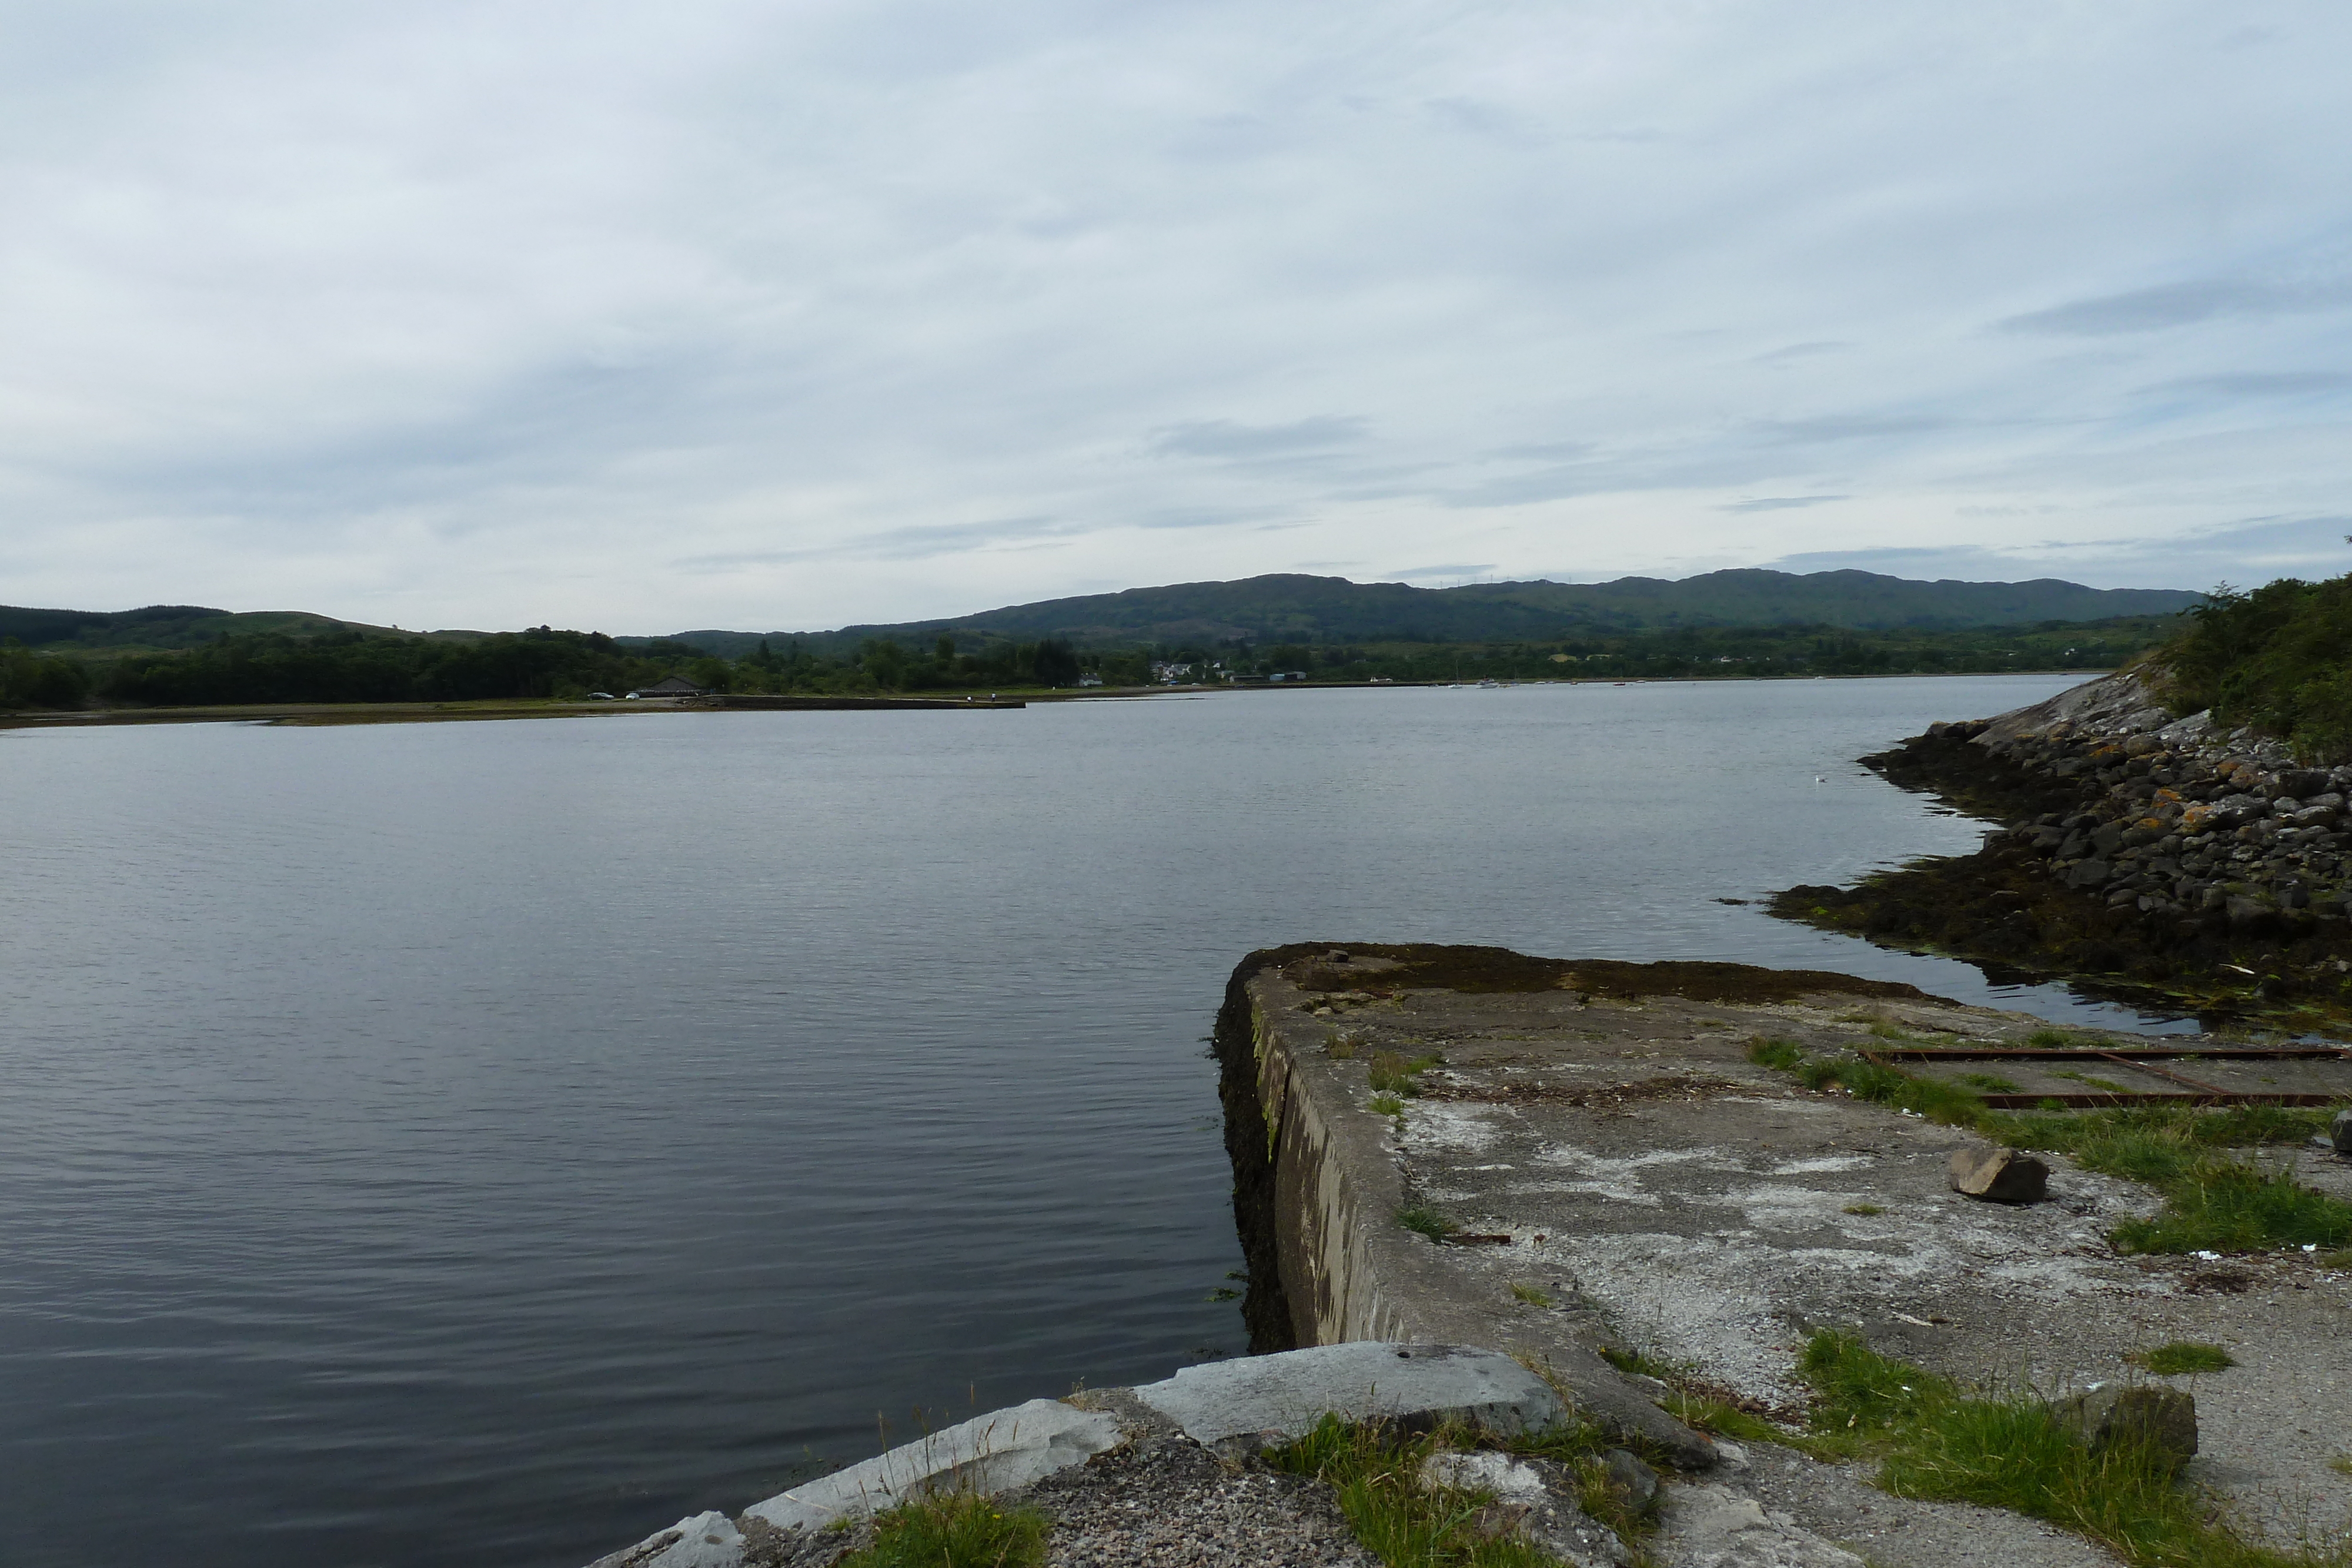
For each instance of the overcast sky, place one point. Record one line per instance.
(786, 315)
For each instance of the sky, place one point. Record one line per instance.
(791, 315)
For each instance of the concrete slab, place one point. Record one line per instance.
(1275, 1398)
(988, 1454)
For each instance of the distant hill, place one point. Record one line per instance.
(161, 628)
(1287, 607)
(1283, 607)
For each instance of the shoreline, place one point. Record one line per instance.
(309, 714)
(2141, 857)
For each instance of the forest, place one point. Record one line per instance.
(351, 665)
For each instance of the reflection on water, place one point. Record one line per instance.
(483, 1143)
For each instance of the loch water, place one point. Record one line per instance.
(483, 1144)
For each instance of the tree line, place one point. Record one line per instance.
(543, 663)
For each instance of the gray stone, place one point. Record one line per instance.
(988, 1454)
(2107, 1414)
(1708, 1527)
(1531, 1504)
(1637, 1481)
(1999, 1175)
(704, 1540)
(2339, 1133)
(2089, 874)
(1264, 1399)
(2243, 911)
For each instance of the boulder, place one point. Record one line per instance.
(988, 1454)
(1634, 1480)
(1999, 1175)
(2340, 1132)
(704, 1540)
(1257, 1401)
(2110, 1414)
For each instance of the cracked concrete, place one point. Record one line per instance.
(1632, 1180)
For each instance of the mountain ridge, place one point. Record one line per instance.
(1287, 607)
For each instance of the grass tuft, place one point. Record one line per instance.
(2183, 1357)
(1864, 1209)
(1385, 1105)
(1390, 1074)
(1420, 1218)
(1530, 1296)
(1933, 1443)
(1397, 1517)
(954, 1530)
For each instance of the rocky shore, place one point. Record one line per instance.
(2149, 854)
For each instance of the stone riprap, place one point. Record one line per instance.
(2178, 818)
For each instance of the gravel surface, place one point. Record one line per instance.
(1165, 1502)
(1838, 1502)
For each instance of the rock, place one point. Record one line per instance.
(2339, 1133)
(2243, 911)
(2109, 1414)
(1531, 1504)
(1255, 1401)
(2089, 874)
(1708, 1527)
(705, 1541)
(991, 1453)
(1999, 1175)
(1637, 1481)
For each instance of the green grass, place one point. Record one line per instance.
(1385, 1105)
(2107, 1084)
(1988, 1082)
(2059, 1039)
(1864, 1209)
(2213, 1201)
(1376, 1476)
(1936, 1443)
(1530, 1296)
(1390, 1074)
(2183, 1357)
(1420, 1218)
(954, 1530)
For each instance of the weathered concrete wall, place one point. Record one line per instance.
(1315, 1194)
(1316, 1198)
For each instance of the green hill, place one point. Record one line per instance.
(158, 627)
(1293, 608)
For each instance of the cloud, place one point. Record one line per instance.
(1447, 570)
(1802, 351)
(1780, 502)
(740, 314)
(2254, 384)
(1228, 439)
(2180, 304)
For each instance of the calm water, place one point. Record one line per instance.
(483, 1143)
